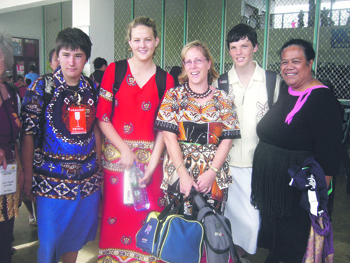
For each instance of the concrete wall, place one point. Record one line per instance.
(102, 29)
(15, 5)
(26, 24)
(29, 23)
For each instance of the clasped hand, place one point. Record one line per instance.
(127, 160)
(202, 185)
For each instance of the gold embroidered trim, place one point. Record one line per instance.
(106, 94)
(142, 149)
(115, 255)
(67, 157)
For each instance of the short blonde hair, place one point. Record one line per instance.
(212, 73)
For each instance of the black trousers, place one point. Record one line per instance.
(6, 232)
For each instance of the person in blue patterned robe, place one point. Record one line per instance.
(61, 148)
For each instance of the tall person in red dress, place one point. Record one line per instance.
(130, 137)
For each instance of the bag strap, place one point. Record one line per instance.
(223, 82)
(49, 88)
(270, 86)
(168, 211)
(92, 85)
(119, 74)
(161, 82)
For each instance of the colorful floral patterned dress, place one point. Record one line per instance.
(199, 129)
(133, 118)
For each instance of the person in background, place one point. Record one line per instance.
(32, 75)
(61, 149)
(305, 121)
(21, 87)
(130, 137)
(199, 123)
(10, 79)
(53, 59)
(247, 87)
(9, 134)
(100, 65)
(175, 71)
(28, 82)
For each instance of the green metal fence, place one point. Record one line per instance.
(181, 21)
(55, 18)
(324, 23)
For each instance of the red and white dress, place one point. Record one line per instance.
(135, 111)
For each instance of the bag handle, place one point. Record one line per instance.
(168, 211)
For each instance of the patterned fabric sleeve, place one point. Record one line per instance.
(104, 105)
(167, 114)
(231, 129)
(31, 110)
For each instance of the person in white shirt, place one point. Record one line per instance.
(247, 88)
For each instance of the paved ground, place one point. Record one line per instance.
(26, 238)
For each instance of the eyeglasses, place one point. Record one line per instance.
(197, 62)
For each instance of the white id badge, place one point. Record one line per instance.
(128, 199)
(8, 179)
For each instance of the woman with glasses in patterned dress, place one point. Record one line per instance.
(198, 123)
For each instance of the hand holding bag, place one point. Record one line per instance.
(171, 237)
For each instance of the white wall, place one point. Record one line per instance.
(102, 30)
(15, 5)
(26, 24)
(96, 18)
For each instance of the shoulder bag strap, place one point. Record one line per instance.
(92, 85)
(119, 74)
(161, 76)
(223, 82)
(49, 88)
(270, 86)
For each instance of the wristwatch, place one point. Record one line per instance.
(216, 170)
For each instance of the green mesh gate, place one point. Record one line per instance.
(181, 21)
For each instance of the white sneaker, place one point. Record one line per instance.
(32, 221)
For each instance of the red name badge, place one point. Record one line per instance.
(77, 120)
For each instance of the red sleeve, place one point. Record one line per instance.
(104, 106)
